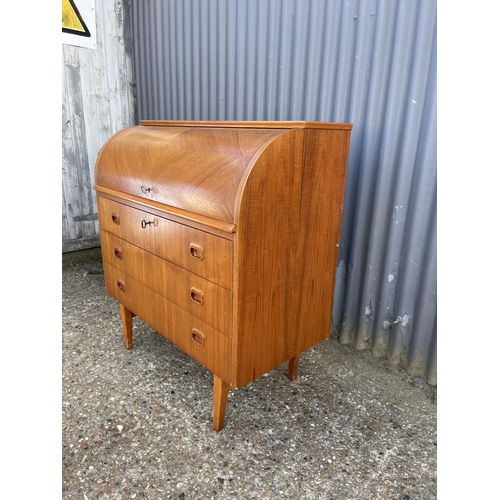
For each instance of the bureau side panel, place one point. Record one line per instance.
(318, 225)
(286, 249)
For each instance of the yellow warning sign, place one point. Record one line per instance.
(72, 21)
(78, 23)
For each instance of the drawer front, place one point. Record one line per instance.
(200, 297)
(199, 340)
(201, 253)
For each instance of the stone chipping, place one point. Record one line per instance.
(138, 424)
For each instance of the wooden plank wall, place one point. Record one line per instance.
(98, 99)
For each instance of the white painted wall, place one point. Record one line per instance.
(98, 100)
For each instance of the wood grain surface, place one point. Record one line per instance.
(195, 169)
(170, 241)
(286, 249)
(224, 237)
(200, 297)
(172, 322)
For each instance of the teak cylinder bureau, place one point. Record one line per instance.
(223, 236)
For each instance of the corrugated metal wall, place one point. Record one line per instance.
(372, 63)
(98, 99)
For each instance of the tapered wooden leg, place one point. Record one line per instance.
(127, 326)
(221, 390)
(293, 367)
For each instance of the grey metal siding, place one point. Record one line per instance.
(369, 62)
(97, 101)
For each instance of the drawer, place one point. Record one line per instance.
(199, 340)
(201, 253)
(200, 297)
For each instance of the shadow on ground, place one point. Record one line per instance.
(138, 424)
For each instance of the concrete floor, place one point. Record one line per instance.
(138, 424)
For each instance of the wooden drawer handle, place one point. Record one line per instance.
(118, 253)
(196, 251)
(197, 337)
(115, 218)
(121, 285)
(196, 296)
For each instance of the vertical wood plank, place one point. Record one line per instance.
(97, 100)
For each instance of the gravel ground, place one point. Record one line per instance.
(138, 424)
